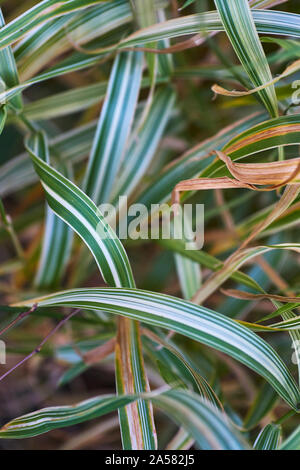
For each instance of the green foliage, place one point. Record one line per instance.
(105, 99)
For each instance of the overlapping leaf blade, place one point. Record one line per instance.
(196, 322)
(268, 438)
(240, 28)
(209, 427)
(78, 211)
(114, 126)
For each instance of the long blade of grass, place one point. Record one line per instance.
(55, 38)
(209, 427)
(240, 28)
(166, 354)
(8, 70)
(46, 419)
(42, 12)
(196, 322)
(114, 126)
(78, 211)
(268, 438)
(143, 145)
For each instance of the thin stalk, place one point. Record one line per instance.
(39, 347)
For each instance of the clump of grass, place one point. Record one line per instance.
(103, 101)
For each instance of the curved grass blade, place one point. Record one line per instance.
(240, 28)
(208, 426)
(268, 438)
(57, 238)
(143, 146)
(72, 146)
(114, 126)
(78, 211)
(8, 70)
(55, 38)
(47, 419)
(173, 359)
(196, 322)
(42, 12)
(267, 22)
(56, 249)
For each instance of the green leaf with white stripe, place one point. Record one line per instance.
(188, 271)
(47, 419)
(8, 70)
(267, 22)
(268, 438)
(114, 126)
(78, 211)
(209, 427)
(143, 145)
(240, 28)
(55, 253)
(196, 322)
(43, 12)
(54, 38)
